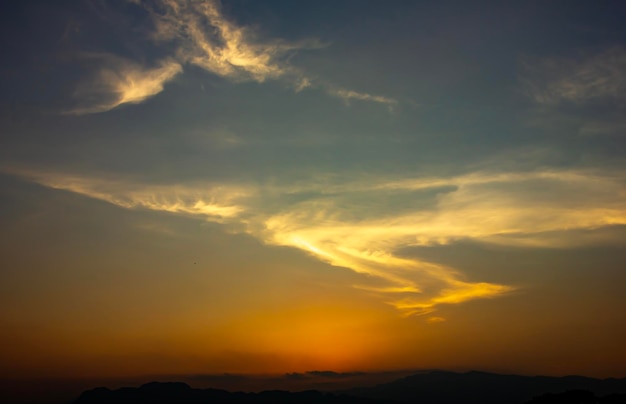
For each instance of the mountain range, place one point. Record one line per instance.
(432, 387)
(440, 387)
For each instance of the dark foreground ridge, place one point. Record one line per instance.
(578, 397)
(171, 393)
(439, 387)
(435, 387)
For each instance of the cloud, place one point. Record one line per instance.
(367, 247)
(120, 81)
(583, 95)
(356, 224)
(236, 52)
(550, 82)
(202, 36)
(210, 41)
(348, 95)
(214, 202)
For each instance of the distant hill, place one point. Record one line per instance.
(434, 387)
(440, 387)
(181, 393)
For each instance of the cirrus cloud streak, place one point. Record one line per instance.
(198, 33)
(363, 225)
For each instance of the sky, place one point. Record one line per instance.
(281, 187)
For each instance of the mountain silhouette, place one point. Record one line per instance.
(440, 387)
(175, 393)
(434, 387)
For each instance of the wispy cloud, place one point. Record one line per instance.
(358, 225)
(215, 202)
(584, 95)
(209, 40)
(237, 52)
(348, 95)
(577, 80)
(121, 81)
(202, 36)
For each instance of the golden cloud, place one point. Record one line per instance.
(122, 81)
(510, 208)
(205, 38)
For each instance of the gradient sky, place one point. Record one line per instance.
(196, 187)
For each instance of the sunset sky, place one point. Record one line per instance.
(264, 187)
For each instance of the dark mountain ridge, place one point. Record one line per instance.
(433, 387)
(441, 387)
(174, 393)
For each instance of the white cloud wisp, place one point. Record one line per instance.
(204, 37)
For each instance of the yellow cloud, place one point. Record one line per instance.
(235, 52)
(368, 249)
(229, 50)
(209, 40)
(510, 208)
(124, 82)
(205, 38)
(215, 202)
